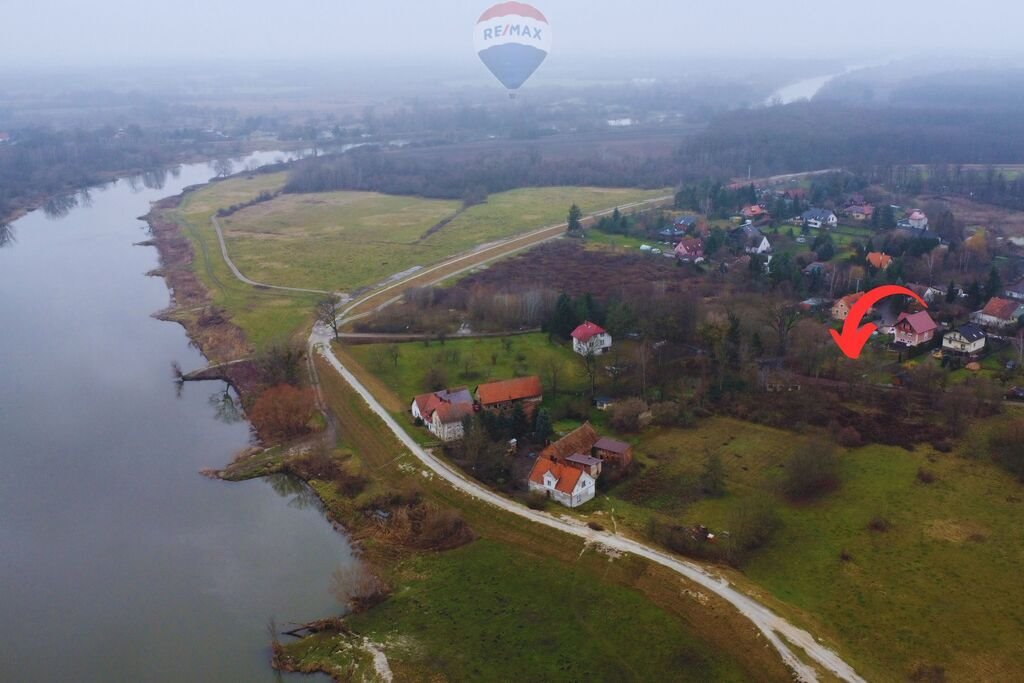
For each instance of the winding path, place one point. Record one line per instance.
(779, 632)
(783, 635)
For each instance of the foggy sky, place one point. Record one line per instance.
(139, 32)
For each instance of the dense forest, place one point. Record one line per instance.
(39, 163)
(475, 178)
(815, 135)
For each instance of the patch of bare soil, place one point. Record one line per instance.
(956, 531)
(191, 306)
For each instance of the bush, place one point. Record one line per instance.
(925, 476)
(848, 437)
(535, 500)
(282, 412)
(626, 415)
(880, 524)
(596, 526)
(812, 471)
(1006, 444)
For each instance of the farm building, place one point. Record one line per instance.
(503, 395)
(999, 313)
(618, 453)
(442, 412)
(841, 308)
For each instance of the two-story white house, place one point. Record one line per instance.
(591, 339)
(570, 486)
(966, 340)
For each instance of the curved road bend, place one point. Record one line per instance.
(777, 630)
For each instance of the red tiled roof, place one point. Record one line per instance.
(449, 413)
(567, 476)
(851, 299)
(586, 332)
(879, 260)
(510, 390)
(427, 403)
(1000, 308)
(579, 440)
(919, 322)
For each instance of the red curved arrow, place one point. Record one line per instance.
(852, 339)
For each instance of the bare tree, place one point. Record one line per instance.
(6, 235)
(1018, 343)
(782, 319)
(327, 312)
(394, 353)
(223, 167)
(553, 368)
(590, 366)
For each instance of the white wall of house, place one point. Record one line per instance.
(583, 492)
(446, 431)
(598, 344)
(954, 342)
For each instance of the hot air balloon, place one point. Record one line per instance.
(512, 40)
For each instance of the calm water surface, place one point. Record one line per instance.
(118, 562)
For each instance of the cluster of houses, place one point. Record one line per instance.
(443, 412)
(917, 328)
(567, 470)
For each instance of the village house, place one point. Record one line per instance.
(690, 249)
(424, 405)
(819, 218)
(754, 212)
(751, 239)
(917, 220)
(1015, 291)
(446, 422)
(672, 232)
(571, 486)
(914, 329)
(504, 395)
(442, 412)
(685, 223)
(999, 313)
(966, 340)
(878, 260)
(591, 339)
(860, 212)
(928, 293)
(841, 308)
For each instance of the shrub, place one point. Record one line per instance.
(666, 414)
(1006, 444)
(848, 437)
(282, 412)
(811, 471)
(596, 526)
(535, 500)
(626, 415)
(879, 524)
(925, 476)
(942, 445)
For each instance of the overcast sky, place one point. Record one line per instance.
(87, 32)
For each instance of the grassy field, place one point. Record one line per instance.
(488, 359)
(340, 241)
(522, 602)
(266, 316)
(939, 588)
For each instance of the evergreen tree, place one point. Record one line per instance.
(951, 293)
(574, 221)
(995, 283)
(542, 428)
(518, 423)
(563, 319)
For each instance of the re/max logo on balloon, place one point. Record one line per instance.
(509, 30)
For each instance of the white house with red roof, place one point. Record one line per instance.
(914, 329)
(565, 484)
(442, 411)
(591, 339)
(690, 249)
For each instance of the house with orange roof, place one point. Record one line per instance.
(565, 484)
(504, 395)
(879, 260)
(841, 308)
(999, 313)
(442, 412)
(754, 212)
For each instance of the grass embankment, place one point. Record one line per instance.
(937, 588)
(340, 241)
(522, 601)
(265, 316)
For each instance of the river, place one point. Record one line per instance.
(118, 561)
